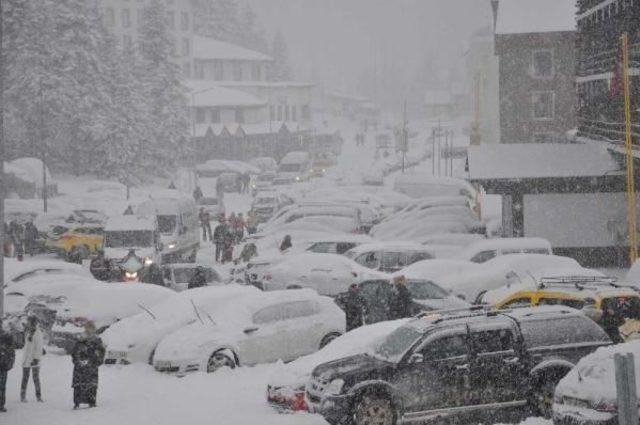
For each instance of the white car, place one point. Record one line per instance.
(17, 272)
(134, 339)
(486, 249)
(389, 256)
(338, 244)
(587, 394)
(329, 274)
(285, 390)
(261, 328)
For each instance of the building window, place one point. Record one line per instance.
(543, 138)
(237, 71)
(542, 63)
(256, 74)
(239, 116)
(171, 20)
(215, 116)
(198, 70)
(184, 21)
(186, 68)
(185, 47)
(272, 113)
(126, 18)
(286, 113)
(109, 17)
(294, 113)
(543, 105)
(306, 112)
(279, 112)
(200, 115)
(218, 70)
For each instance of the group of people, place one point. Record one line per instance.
(87, 355)
(228, 233)
(356, 307)
(20, 239)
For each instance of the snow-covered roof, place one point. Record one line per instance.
(206, 93)
(539, 160)
(539, 16)
(124, 223)
(438, 98)
(209, 48)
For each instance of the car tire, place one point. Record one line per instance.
(327, 339)
(374, 409)
(218, 360)
(543, 396)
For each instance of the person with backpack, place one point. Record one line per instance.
(218, 237)
(7, 359)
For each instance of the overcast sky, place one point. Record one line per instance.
(405, 44)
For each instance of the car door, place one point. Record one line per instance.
(436, 374)
(264, 339)
(497, 371)
(303, 328)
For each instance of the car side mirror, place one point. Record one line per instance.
(416, 358)
(251, 330)
(462, 297)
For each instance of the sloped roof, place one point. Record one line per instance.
(209, 48)
(536, 16)
(539, 160)
(207, 93)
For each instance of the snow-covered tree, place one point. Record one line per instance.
(251, 35)
(280, 69)
(163, 90)
(218, 19)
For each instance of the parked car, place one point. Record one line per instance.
(263, 181)
(75, 241)
(286, 388)
(178, 275)
(329, 274)
(389, 257)
(373, 178)
(342, 218)
(588, 394)
(457, 366)
(338, 244)
(229, 182)
(295, 166)
(486, 249)
(267, 203)
(134, 339)
(261, 328)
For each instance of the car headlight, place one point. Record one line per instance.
(334, 387)
(171, 245)
(297, 178)
(131, 275)
(148, 261)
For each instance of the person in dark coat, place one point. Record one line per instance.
(354, 308)
(611, 321)
(100, 268)
(218, 237)
(228, 240)
(197, 194)
(7, 359)
(30, 237)
(87, 356)
(248, 252)
(205, 223)
(286, 243)
(198, 280)
(401, 303)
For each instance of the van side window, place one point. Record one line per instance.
(492, 341)
(483, 256)
(445, 347)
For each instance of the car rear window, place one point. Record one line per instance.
(567, 330)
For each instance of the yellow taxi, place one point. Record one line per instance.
(80, 241)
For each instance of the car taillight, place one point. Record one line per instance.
(607, 407)
(267, 276)
(79, 321)
(299, 403)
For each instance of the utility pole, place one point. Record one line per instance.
(43, 150)
(626, 389)
(631, 188)
(433, 152)
(2, 178)
(439, 146)
(405, 137)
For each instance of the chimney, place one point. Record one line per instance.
(494, 7)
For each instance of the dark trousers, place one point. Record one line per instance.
(25, 381)
(85, 394)
(206, 228)
(218, 251)
(3, 386)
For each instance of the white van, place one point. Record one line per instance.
(295, 167)
(128, 232)
(486, 249)
(178, 226)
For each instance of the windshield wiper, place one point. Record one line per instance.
(148, 311)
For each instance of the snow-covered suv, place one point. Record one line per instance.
(467, 366)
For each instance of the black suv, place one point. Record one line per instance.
(470, 366)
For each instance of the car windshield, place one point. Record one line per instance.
(166, 223)
(128, 239)
(183, 275)
(426, 290)
(398, 342)
(290, 168)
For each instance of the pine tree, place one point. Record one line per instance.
(218, 19)
(280, 70)
(163, 90)
(251, 35)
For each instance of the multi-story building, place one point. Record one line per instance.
(124, 19)
(600, 98)
(535, 43)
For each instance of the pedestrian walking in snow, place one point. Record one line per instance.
(128, 211)
(205, 223)
(218, 237)
(401, 303)
(228, 240)
(16, 233)
(30, 237)
(252, 222)
(286, 243)
(611, 321)
(7, 359)
(87, 356)
(239, 228)
(31, 358)
(197, 194)
(354, 307)
(248, 252)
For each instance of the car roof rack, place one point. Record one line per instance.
(578, 282)
(461, 313)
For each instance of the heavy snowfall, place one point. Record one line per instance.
(355, 212)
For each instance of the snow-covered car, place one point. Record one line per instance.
(421, 186)
(338, 244)
(329, 274)
(486, 249)
(178, 275)
(258, 328)
(389, 257)
(263, 181)
(17, 272)
(588, 394)
(337, 216)
(134, 339)
(285, 389)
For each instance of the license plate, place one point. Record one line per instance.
(117, 354)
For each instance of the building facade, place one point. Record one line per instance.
(600, 98)
(536, 54)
